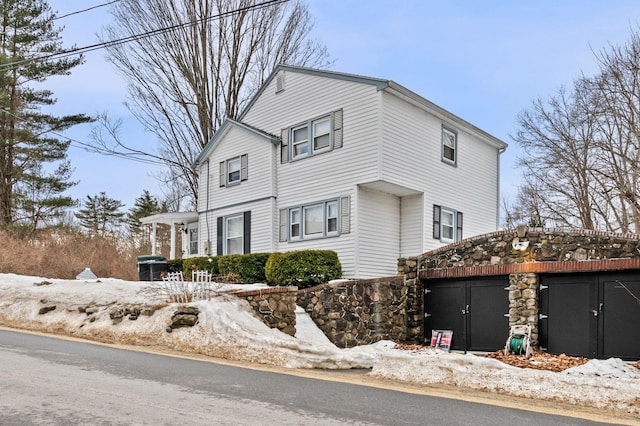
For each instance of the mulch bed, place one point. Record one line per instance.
(539, 360)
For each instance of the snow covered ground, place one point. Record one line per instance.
(227, 328)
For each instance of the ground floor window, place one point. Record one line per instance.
(234, 234)
(193, 240)
(315, 220)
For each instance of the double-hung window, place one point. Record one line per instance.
(193, 240)
(449, 146)
(234, 170)
(234, 234)
(447, 224)
(312, 137)
(300, 142)
(314, 220)
(322, 134)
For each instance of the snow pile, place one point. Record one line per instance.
(228, 328)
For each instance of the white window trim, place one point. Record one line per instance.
(291, 223)
(325, 220)
(453, 213)
(230, 161)
(225, 235)
(449, 131)
(311, 151)
(193, 243)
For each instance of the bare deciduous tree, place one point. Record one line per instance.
(184, 81)
(581, 149)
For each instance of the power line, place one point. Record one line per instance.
(85, 10)
(110, 43)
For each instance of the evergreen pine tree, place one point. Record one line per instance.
(100, 214)
(30, 193)
(145, 205)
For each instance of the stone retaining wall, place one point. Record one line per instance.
(275, 305)
(360, 312)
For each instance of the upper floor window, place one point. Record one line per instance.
(447, 224)
(312, 137)
(234, 170)
(315, 220)
(449, 146)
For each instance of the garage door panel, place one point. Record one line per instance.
(443, 305)
(570, 326)
(488, 326)
(620, 317)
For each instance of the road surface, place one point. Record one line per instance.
(52, 381)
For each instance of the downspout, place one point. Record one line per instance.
(500, 152)
(206, 211)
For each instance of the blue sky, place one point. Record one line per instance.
(484, 61)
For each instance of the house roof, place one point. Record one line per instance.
(381, 84)
(226, 125)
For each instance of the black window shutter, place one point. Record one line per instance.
(436, 222)
(458, 226)
(223, 173)
(284, 146)
(247, 232)
(219, 251)
(244, 167)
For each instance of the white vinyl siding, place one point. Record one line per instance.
(238, 144)
(420, 135)
(379, 236)
(411, 225)
(304, 182)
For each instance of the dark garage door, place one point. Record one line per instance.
(591, 315)
(474, 309)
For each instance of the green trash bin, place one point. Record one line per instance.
(150, 267)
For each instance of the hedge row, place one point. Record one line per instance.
(304, 268)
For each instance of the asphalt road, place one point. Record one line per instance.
(51, 381)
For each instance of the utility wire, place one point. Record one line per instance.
(85, 10)
(135, 37)
(88, 147)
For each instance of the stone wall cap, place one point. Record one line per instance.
(266, 290)
(549, 231)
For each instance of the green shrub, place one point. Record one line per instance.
(204, 263)
(250, 267)
(304, 268)
(229, 264)
(174, 265)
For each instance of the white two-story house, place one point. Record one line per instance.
(362, 166)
